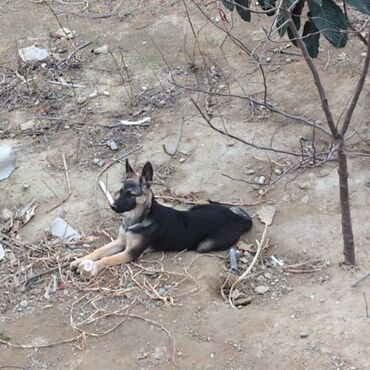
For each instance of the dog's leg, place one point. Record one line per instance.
(134, 248)
(107, 250)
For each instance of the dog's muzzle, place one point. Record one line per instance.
(114, 207)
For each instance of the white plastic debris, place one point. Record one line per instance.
(65, 33)
(33, 54)
(133, 123)
(8, 159)
(62, 230)
(2, 252)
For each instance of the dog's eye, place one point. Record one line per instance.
(128, 193)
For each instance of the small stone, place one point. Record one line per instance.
(242, 301)
(96, 160)
(65, 33)
(161, 291)
(101, 49)
(180, 354)
(260, 180)
(26, 186)
(262, 289)
(33, 54)
(112, 144)
(277, 171)
(268, 59)
(106, 93)
(305, 199)
(24, 304)
(251, 172)
(261, 279)
(304, 185)
(304, 333)
(288, 60)
(29, 125)
(267, 275)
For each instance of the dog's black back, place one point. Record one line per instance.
(202, 228)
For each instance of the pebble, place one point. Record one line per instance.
(161, 291)
(305, 199)
(277, 171)
(24, 304)
(260, 180)
(267, 275)
(262, 289)
(180, 354)
(304, 185)
(243, 301)
(112, 144)
(304, 333)
(250, 172)
(101, 49)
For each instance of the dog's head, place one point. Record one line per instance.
(136, 191)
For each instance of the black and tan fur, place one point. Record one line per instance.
(148, 224)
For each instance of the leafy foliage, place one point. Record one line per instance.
(323, 17)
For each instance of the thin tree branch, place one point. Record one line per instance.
(315, 73)
(210, 124)
(357, 91)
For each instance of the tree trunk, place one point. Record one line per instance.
(349, 244)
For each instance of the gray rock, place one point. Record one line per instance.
(33, 54)
(101, 49)
(242, 301)
(304, 333)
(262, 289)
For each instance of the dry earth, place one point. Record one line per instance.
(311, 320)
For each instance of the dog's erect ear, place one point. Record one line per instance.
(129, 170)
(146, 177)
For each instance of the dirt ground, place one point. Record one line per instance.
(310, 317)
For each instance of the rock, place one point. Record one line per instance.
(250, 172)
(65, 33)
(304, 185)
(101, 49)
(161, 291)
(242, 301)
(112, 144)
(277, 171)
(33, 54)
(180, 354)
(262, 289)
(305, 199)
(267, 275)
(266, 214)
(261, 279)
(24, 304)
(260, 180)
(29, 125)
(304, 333)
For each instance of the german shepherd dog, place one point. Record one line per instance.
(148, 224)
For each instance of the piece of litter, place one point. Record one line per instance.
(277, 262)
(101, 49)
(266, 214)
(2, 252)
(106, 192)
(142, 122)
(60, 229)
(65, 33)
(33, 54)
(8, 160)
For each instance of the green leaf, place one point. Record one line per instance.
(311, 37)
(361, 5)
(330, 20)
(228, 5)
(296, 16)
(245, 14)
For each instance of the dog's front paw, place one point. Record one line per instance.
(87, 269)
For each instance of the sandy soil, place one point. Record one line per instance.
(313, 320)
